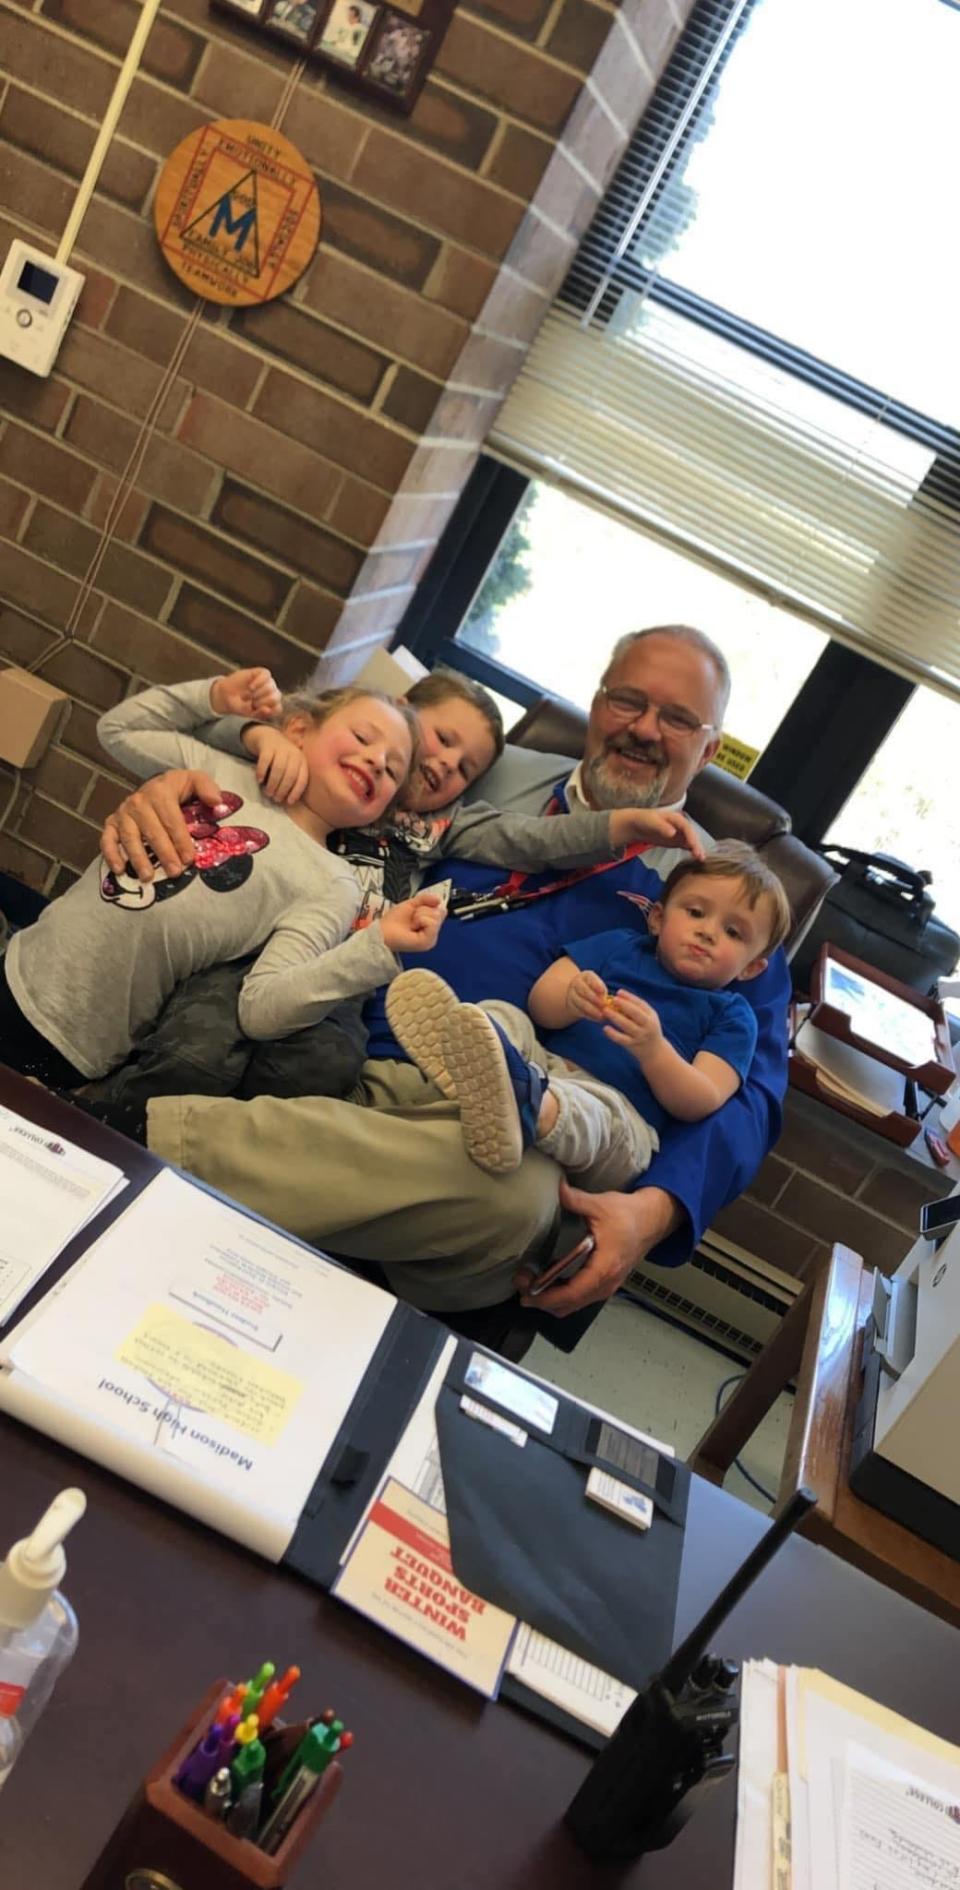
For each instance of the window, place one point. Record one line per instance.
(568, 581)
(906, 803)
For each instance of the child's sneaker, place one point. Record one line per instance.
(418, 1006)
(499, 1092)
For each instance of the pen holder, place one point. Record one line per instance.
(165, 1841)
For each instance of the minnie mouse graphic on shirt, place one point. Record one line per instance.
(223, 859)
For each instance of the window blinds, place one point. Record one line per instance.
(777, 469)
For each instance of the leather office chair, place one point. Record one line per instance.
(728, 809)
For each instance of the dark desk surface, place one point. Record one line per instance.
(441, 1788)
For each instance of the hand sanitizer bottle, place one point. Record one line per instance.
(38, 1628)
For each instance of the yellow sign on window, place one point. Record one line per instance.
(736, 757)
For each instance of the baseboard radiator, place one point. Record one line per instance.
(723, 1295)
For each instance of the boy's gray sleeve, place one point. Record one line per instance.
(311, 963)
(160, 728)
(528, 841)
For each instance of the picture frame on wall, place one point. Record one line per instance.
(382, 50)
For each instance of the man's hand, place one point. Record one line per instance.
(659, 826)
(151, 818)
(281, 769)
(586, 996)
(246, 692)
(624, 1228)
(633, 1023)
(414, 925)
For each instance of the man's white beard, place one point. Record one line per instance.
(609, 789)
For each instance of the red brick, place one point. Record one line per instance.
(447, 199)
(446, 121)
(522, 17)
(201, 553)
(149, 649)
(258, 521)
(520, 160)
(14, 502)
(34, 585)
(312, 616)
(460, 280)
(385, 314)
(43, 403)
(22, 640)
(166, 470)
(371, 617)
(239, 639)
(235, 84)
(371, 235)
(62, 882)
(487, 366)
(244, 446)
(126, 245)
(323, 351)
(125, 379)
(358, 510)
(578, 35)
(171, 52)
(86, 677)
(159, 120)
(44, 129)
(328, 136)
(465, 417)
(211, 360)
(96, 298)
(25, 182)
(386, 570)
(80, 733)
(127, 524)
(46, 468)
(53, 65)
(435, 471)
(70, 545)
(411, 400)
(104, 799)
(24, 862)
(60, 833)
(412, 519)
(517, 80)
(348, 437)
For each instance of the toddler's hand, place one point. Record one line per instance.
(281, 769)
(587, 995)
(246, 692)
(414, 925)
(633, 1024)
(659, 826)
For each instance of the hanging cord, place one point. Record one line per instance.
(131, 471)
(735, 1379)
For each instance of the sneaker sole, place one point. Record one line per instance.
(418, 1005)
(489, 1117)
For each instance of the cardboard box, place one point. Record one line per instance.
(29, 712)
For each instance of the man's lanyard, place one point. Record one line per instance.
(506, 898)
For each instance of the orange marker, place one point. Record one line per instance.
(276, 1696)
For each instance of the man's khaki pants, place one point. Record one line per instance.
(388, 1181)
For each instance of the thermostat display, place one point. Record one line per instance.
(37, 298)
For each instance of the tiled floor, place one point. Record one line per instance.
(664, 1381)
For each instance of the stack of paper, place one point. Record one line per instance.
(851, 1074)
(49, 1189)
(837, 1793)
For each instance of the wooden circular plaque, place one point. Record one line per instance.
(237, 212)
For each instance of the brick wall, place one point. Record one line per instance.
(275, 494)
(830, 1179)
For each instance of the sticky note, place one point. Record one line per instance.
(198, 1368)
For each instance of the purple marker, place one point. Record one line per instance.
(198, 1768)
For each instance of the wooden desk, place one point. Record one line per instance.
(442, 1789)
(819, 1343)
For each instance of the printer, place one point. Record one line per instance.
(905, 1456)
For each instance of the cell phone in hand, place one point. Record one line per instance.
(575, 1244)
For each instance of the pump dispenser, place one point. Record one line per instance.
(38, 1628)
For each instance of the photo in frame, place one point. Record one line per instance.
(381, 50)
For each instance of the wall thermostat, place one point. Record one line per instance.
(37, 298)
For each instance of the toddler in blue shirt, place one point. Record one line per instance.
(633, 1029)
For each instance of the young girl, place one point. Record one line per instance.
(199, 1046)
(78, 987)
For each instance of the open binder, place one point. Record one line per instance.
(246, 1379)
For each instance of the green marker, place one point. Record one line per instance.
(254, 1690)
(313, 1754)
(247, 1767)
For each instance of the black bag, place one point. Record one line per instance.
(881, 911)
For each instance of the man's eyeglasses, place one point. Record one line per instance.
(628, 705)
